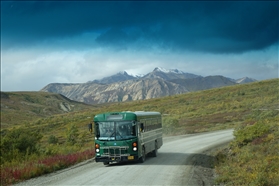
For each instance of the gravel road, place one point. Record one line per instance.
(180, 161)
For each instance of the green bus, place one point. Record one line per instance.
(127, 136)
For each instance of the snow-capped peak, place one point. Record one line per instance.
(123, 73)
(137, 75)
(176, 71)
(245, 80)
(160, 69)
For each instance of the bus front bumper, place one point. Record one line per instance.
(115, 158)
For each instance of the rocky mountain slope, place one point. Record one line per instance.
(124, 87)
(203, 83)
(139, 89)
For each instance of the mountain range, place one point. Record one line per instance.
(124, 87)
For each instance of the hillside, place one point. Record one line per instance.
(19, 108)
(193, 112)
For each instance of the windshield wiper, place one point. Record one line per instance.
(111, 134)
(120, 135)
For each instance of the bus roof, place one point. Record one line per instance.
(125, 115)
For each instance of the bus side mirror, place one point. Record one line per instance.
(90, 127)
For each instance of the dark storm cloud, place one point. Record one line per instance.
(218, 27)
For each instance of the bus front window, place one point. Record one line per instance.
(105, 130)
(118, 130)
(125, 130)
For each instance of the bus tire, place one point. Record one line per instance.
(142, 158)
(106, 163)
(155, 151)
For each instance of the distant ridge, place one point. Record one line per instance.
(124, 87)
(120, 76)
(245, 80)
(165, 74)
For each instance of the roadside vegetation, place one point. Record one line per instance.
(252, 158)
(32, 146)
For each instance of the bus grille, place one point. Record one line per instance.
(116, 151)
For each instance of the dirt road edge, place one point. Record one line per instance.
(203, 172)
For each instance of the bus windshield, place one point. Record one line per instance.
(115, 130)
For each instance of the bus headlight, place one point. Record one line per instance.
(97, 146)
(135, 146)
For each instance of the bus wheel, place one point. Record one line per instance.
(142, 158)
(106, 163)
(154, 152)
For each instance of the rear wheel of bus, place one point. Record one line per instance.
(142, 158)
(155, 151)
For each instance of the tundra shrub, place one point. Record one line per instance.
(19, 141)
(52, 139)
(245, 135)
(72, 134)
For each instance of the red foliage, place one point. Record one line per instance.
(32, 169)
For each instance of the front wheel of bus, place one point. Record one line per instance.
(142, 158)
(106, 163)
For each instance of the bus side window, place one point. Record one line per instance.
(141, 127)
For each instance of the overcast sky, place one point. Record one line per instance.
(75, 42)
